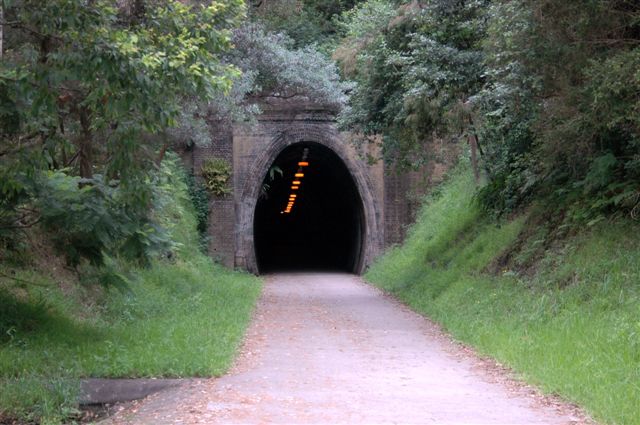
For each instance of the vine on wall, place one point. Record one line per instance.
(216, 173)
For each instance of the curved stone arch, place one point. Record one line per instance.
(331, 139)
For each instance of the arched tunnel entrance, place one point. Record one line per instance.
(311, 216)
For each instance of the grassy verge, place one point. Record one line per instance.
(564, 315)
(180, 317)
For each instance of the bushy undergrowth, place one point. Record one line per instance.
(181, 316)
(568, 323)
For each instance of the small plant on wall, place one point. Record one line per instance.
(215, 175)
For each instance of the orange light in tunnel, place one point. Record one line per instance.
(293, 195)
(296, 182)
(299, 174)
(294, 187)
(303, 164)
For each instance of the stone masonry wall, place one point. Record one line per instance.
(257, 146)
(404, 190)
(221, 208)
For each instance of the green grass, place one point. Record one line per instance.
(179, 318)
(572, 327)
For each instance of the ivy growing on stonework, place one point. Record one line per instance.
(215, 174)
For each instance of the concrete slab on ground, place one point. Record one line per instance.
(109, 391)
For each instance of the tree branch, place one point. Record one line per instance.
(21, 26)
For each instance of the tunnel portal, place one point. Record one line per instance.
(313, 221)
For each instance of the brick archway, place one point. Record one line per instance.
(388, 197)
(255, 172)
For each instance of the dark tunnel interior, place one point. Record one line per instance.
(323, 228)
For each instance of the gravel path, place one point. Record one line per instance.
(327, 348)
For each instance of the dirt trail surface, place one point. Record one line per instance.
(327, 348)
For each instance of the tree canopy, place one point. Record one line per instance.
(546, 91)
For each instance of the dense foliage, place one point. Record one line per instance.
(83, 88)
(423, 64)
(547, 92)
(307, 22)
(274, 67)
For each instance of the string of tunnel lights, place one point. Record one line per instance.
(297, 181)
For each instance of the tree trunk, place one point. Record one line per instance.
(162, 153)
(1, 27)
(137, 9)
(474, 157)
(85, 148)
